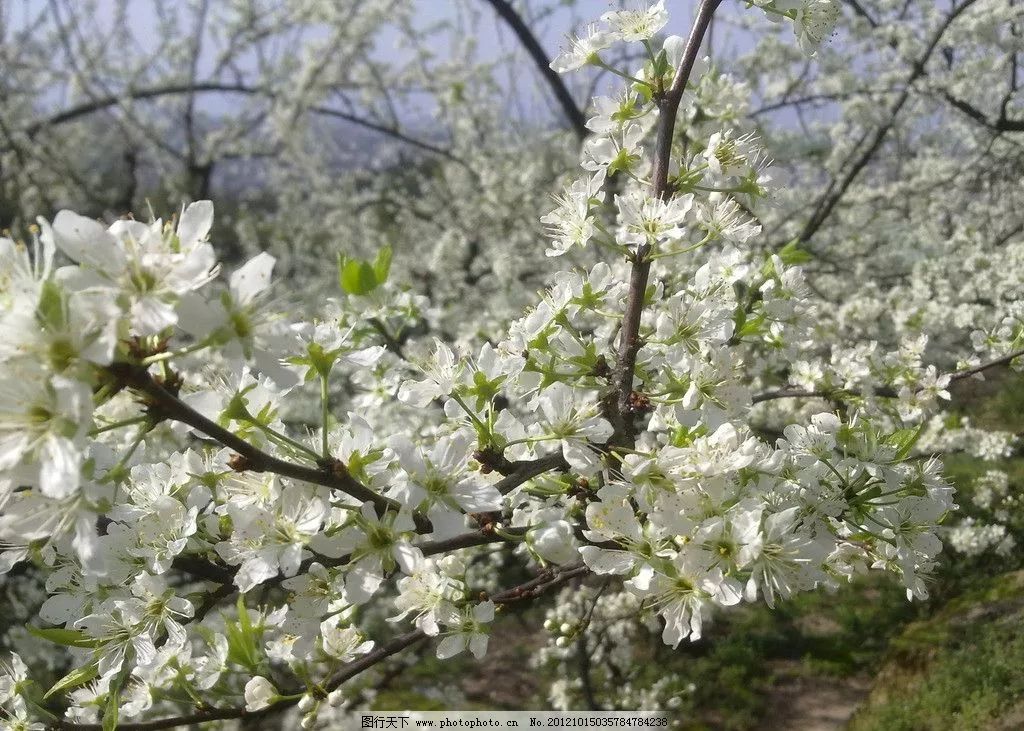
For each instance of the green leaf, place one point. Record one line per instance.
(751, 327)
(382, 265)
(792, 255)
(77, 677)
(66, 637)
(321, 360)
(51, 306)
(904, 441)
(243, 639)
(661, 66)
(358, 277)
(243, 616)
(644, 91)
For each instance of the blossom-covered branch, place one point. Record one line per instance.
(232, 489)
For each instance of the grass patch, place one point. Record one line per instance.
(963, 668)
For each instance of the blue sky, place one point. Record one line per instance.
(493, 39)
(528, 97)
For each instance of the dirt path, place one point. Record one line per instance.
(814, 704)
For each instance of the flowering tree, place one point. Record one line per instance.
(239, 506)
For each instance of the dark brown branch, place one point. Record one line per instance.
(214, 714)
(1003, 124)
(862, 12)
(169, 406)
(583, 663)
(225, 577)
(372, 658)
(544, 582)
(529, 41)
(629, 340)
(871, 142)
(523, 471)
(884, 391)
(967, 373)
(818, 99)
(784, 393)
(95, 105)
(220, 714)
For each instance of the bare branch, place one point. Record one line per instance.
(522, 31)
(170, 406)
(98, 104)
(871, 142)
(884, 391)
(862, 12)
(532, 589)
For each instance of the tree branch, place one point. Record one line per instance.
(529, 41)
(629, 340)
(170, 406)
(870, 143)
(100, 103)
(532, 589)
(884, 391)
(523, 471)
(862, 12)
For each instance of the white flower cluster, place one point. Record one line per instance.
(991, 445)
(997, 513)
(151, 463)
(813, 20)
(972, 539)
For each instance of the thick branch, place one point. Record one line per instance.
(526, 37)
(1003, 124)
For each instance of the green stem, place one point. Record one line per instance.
(117, 425)
(168, 354)
(282, 439)
(476, 419)
(623, 74)
(324, 413)
(706, 240)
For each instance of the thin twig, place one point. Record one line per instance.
(884, 390)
